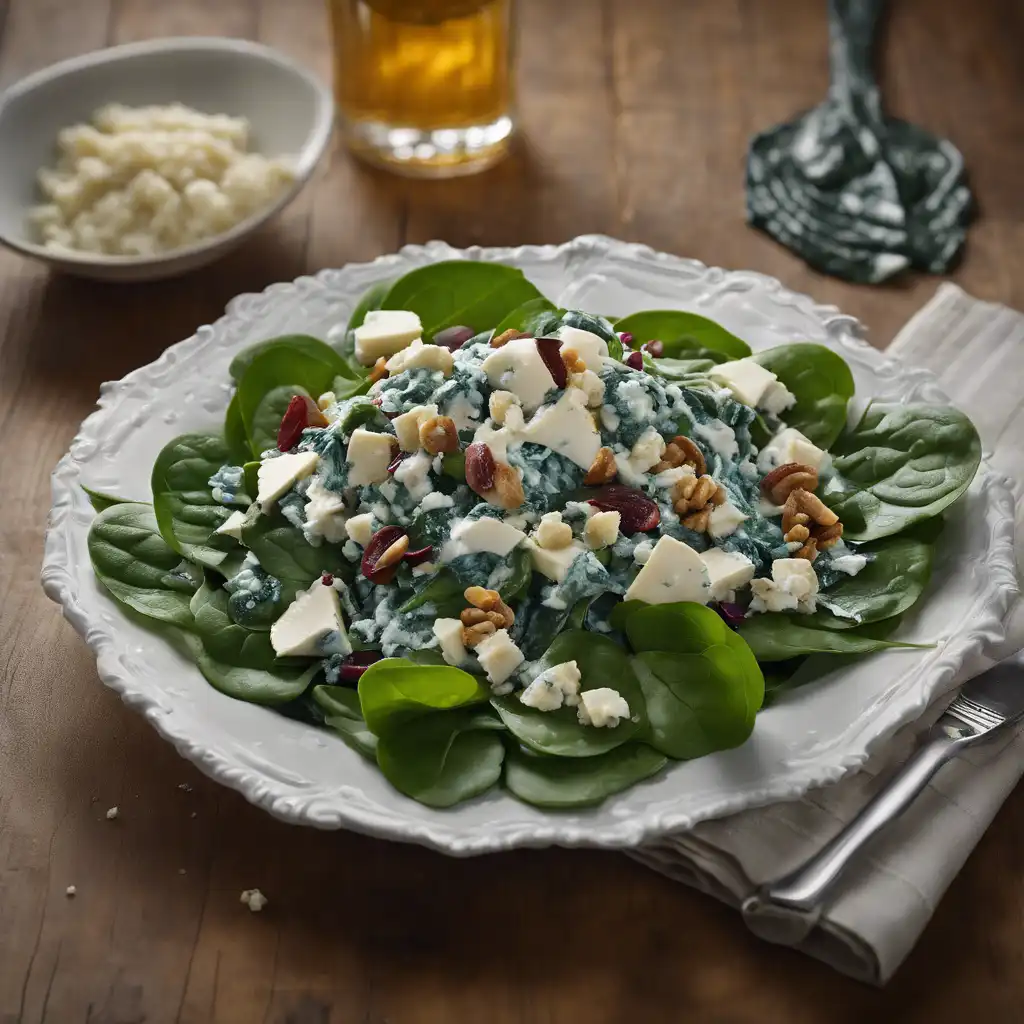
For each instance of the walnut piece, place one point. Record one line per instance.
(438, 434)
(486, 615)
(573, 363)
(475, 634)
(681, 451)
(379, 371)
(693, 498)
(808, 521)
(602, 469)
(780, 483)
(506, 336)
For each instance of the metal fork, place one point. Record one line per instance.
(787, 910)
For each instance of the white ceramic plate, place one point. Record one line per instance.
(308, 776)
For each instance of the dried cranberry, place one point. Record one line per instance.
(302, 412)
(550, 351)
(627, 339)
(453, 338)
(327, 579)
(637, 512)
(654, 347)
(379, 543)
(420, 555)
(356, 664)
(732, 613)
(397, 461)
(480, 468)
(635, 360)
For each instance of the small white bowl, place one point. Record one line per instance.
(290, 112)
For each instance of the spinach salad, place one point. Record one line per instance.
(488, 541)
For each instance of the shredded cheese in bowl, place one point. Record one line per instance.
(147, 180)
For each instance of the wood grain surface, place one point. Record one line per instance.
(636, 115)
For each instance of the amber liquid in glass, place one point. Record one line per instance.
(425, 86)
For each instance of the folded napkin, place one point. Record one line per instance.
(883, 902)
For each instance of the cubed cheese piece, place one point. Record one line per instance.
(554, 564)
(324, 514)
(602, 529)
(498, 656)
(790, 445)
(360, 528)
(552, 533)
(850, 564)
(752, 384)
(674, 572)
(602, 708)
(385, 332)
(449, 635)
(472, 536)
(727, 572)
(792, 588)
(499, 404)
(590, 347)
(518, 367)
(311, 626)
(420, 356)
(232, 526)
(724, 520)
(369, 456)
(278, 475)
(566, 427)
(407, 426)
(591, 385)
(554, 687)
(647, 451)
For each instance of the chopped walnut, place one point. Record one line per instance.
(602, 469)
(572, 361)
(681, 451)
(780, 483)
(486, 615)
(379, 371)
(506, 336)
(693, 498)
(808, 521)
(438, 434)
(477, 633)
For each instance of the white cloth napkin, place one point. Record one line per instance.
(882, 904)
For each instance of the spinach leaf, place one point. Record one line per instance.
(396, 691)
(442, 590)
(101, 502)
(372, 299)
(897, 572)
(443, 759)
(137, 567)
(596, 325)
(779, 638)
(466, 292)
(340, 707)
(256, 685)
(561, 783)
(601, 662)
(822, 384)
(302, 344)
(537, 318)
(518, 582)
(235, 436)
(225, 640)
(284, 553)
(682, 332)
(183, 501)
(899, 465)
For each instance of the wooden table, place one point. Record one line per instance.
(636, 117)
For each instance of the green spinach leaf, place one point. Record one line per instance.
(822, 384)
(537, 318)
(267, 416)
(340, 707)
(235, 436)
(284, 553)
(779, 638)
(682, 333)
(301, 344)
(256, 685)
(101, 502)
(372, 299)
(225, 640)
(562, 783)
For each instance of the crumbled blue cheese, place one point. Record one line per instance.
(384, 332)
(324, 511)
(789, 445)
(727, 572)
(554, 563)
(472, 536)
(720, 437)
(499, 657)
(558, 685)
(642, 551)
(725, 520)
(674, 572)
(311, 625)
(566, 427)
(278, 475)
(850, 564)
(420, 356)
(636, 399)
(414, 474)
(602, 708)
(369, 456)
(226, 484)
(449, 636)
(232, 526)
(435, 499)
(792, 588)
(518, 367)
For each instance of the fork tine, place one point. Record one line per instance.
(975, 715)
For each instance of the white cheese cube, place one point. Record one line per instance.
(602, 529)
(279, 475)
(724, 520)
(360, 528)
(500, 403)
(449, 634)
(384, 332)
(554, 687)
(311, 626)
(566, 427)
(748, 380)
(324, 514)
(407, 426)
(498, 656)
(472, 536)
(727, 572)
(590, 347)
(777, 398)
(674, 572)
(792, 588)
(518, 367)
(602, 708)
(552, 533)
(232, 526)
(554, 564)
(369, 456)
(591, 385)
(420, 356)
(790, 445)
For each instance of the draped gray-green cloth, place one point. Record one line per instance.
(855, 193)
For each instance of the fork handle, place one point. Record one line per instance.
(787, 910)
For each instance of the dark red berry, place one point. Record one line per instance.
(635, 360)
(327, 579)
(356, 664)
(627, 339)
(453, 338)
(420, 555)
(732, 613)
(379, 543)
(550, 352)
(397, 461)
(302, 412)
(637, 512)
(654, 347)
